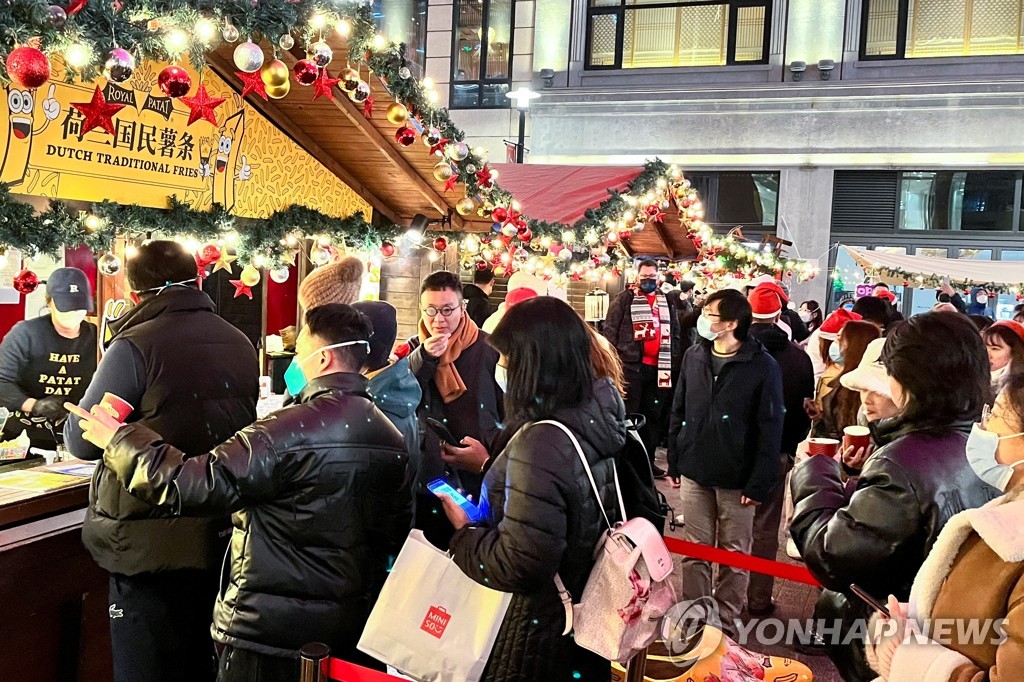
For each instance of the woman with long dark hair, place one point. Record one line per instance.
(542, 515)
(1004, 341)
(878, 535)
(839, 407)
(810, 313)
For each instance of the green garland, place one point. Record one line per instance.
(913, 279)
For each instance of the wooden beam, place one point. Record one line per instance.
(659, 229)
(226, 72)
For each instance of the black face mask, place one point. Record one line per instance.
(648, 286)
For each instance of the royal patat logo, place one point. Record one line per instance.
(74, 289)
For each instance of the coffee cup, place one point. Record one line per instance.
(117, 406)
(856, 437)
(823, 446)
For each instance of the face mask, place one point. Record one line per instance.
(666, 287)
(981, 453)
(648, 286)
(70, 319)
(805, 316)
(835, 353)
(704, 328)
(501, 378)
(982, 299)
(998, 374)
(295, 379)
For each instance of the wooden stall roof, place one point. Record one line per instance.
(397, 181)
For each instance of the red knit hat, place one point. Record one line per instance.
(775, 288)
(829, 329)
(1016, 327)
(516, 296)
(764, 303)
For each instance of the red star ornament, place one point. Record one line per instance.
(252, 82)
(368, 107)
(323, 86)
(98, 113)
(240, 288)
(439, 147)
(483, 177)
(202, 105)
(450, 183)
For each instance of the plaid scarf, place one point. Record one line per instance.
(646, 329)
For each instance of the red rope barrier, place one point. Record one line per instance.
(742, 561)
(343, 671)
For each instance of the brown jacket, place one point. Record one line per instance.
(975, 571)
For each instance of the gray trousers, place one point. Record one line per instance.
(767, 519)
(715, 517)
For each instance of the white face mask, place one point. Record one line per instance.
(704, 328)
(70, 319)
(998, 374)
(805, 316)
(981, 454)
(982, 299)
(501, 378)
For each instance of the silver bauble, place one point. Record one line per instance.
(248, 57)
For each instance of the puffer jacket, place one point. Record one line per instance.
(879, 536)
(543, 519)
(321, 500)
(397, 393)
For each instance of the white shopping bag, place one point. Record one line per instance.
(432, 622)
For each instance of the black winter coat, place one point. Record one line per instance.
(727, 433)
(618, 329)
(797, 382)
(478, 304)
(321, 500)
(544, 519)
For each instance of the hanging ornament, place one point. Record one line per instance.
(458, 151)
(208, 254)
(439, 148)
(405, 136)
(252, 83)
(465, 206)
(319, 255)
(323, 86)
(241, 288)
(248, 57)
(361, 93)
(639, 227)
(274, 73)
(74, 7)
(483, 177)
(440, 244)
(26, 282)
(305, 72)
(349, 80)
(443, 171)
(320, 53)
(387, 249)
(97, 112)
(174, 81)
(286, 42)
(565, 254)
(109, 264)
(432, 136)
(404, 72)
(509, 230)
(481, 265)
(201, 106)
(624, 234)
(120, 65)
(280, 275)
(397, 113)
(57, 16)
(250, 276)
(224, 262)
(500, 214)
(279, 91)
(28, 67)
(230, 33)
(524, 234)
(368, 107)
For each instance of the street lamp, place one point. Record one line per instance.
(522, 97)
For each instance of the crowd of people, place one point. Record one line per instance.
(282, 530)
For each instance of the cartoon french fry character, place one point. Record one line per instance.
(228, 161)
(18, 148)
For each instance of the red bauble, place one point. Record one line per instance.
(525, 234)
(521, 223)
(500, 214)
(209, 254)
(26, 282)
(306, 72)
(441, 244)
(28, 67)
(624, 234)
(405, 136)
(174, 81)
(481, 265)
(74, 7)
(387, 249)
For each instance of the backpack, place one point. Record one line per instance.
(639, 494)
(628, 591)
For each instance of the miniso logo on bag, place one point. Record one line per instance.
(436, 621)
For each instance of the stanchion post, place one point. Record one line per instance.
(637, 667)
(313, 659)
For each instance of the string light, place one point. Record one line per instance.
(317, 22)
(205, 31)
(379, 42)
(176, 41)
(344, 28)
(77, 56)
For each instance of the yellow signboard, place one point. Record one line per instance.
(244, 163)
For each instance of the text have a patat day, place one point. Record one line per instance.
(109, 159)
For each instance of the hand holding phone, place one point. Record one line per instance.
(442, 432)
(441, 487)
(869, 600)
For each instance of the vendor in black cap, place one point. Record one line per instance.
(48, 361)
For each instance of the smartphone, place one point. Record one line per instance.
(870, 601)
(442, 432)
(441, 487)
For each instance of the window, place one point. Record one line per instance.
(482, 62)
(958, 200)
(733, 199)
(404, 21)
(911, 29)
(631, 34)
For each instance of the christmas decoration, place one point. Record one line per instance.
(224, 262)
(240, 288)
(274, 73)
(319, 255)
(201, 106)
(443, 171)
(465, 206)
(305, 72)
(208, 254)
(58, 17)
(323, 86)
(439, 147)
(250, 276)
(387, 249)
(361, 93)
(458, 151)
(279, 91)
(174, 81)
(230, 33)
(483, 177)
(440, 244)
(74, 7)
(320, 53)
(108, 264)
(97, 112)
(286, 42)
(120, 66)
(397, 113)
(349, 80)
(405, 136)
(252, 83)
(26, 281)
(28, 67)
(368, 107)
(281, 274)
(248, 57)
(431, 136)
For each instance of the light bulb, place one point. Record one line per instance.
(379, 42)
(176, 41)
(415, 236)
(131, 251)
(317, 22)
(259, 260)
(428, 83)
(344, 28)
(432, 96)
(206, 31)
(231, 238)
(77, 55)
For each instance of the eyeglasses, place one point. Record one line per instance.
(708, 314)
(432, 311)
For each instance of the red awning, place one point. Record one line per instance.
(560, 194)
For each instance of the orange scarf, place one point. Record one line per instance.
(447, 379)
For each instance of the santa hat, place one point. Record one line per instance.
(335, 283)
(765, 304)
(515, 296)
(829, 329)
(886, 295)
(1016, 327)
(775, 288)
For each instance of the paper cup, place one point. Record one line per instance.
(823, 446)
(118, 407)
(856, 437)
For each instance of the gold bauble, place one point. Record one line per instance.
(443, 171)
(465, 206)
(397, 113)
(274, 73)
(250, 276)
(278, 92)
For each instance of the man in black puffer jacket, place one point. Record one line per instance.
(194, 378)
(321, 496)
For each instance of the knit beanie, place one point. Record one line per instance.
(334, 283)
(384, 319)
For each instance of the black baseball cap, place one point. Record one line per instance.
(69, 290)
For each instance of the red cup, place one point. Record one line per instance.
(823, 446)
(118, 407)
(856, 437)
